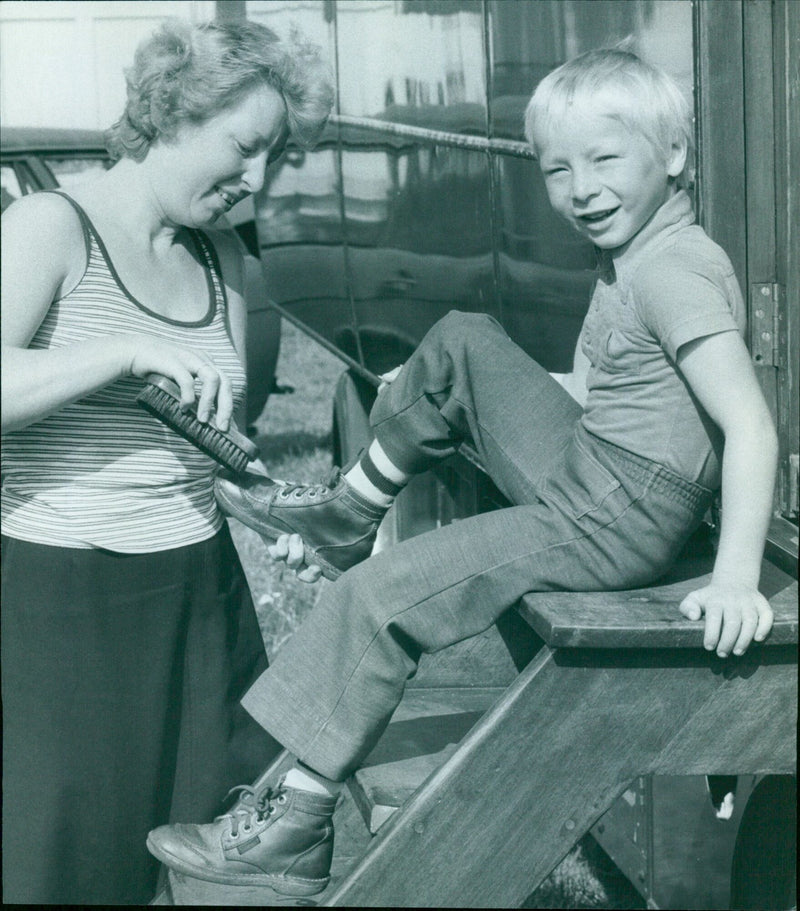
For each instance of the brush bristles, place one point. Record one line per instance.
(214, 443)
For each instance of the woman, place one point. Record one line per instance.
(129, 634)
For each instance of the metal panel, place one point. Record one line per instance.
(417, 220)
(299, 211)
(428, 249)
(412, 56)
(301, 240)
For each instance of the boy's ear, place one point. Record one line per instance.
(676, 161)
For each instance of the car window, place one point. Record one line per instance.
(70, 171)
(9, 186)
(17, 180)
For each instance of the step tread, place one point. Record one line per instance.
(425, 730)
(646, 617)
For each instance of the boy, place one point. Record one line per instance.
(610, 470)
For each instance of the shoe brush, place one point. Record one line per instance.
(162, 398)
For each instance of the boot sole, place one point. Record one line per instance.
(272, 534)
(280, 884)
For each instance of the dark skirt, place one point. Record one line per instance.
(121, 675)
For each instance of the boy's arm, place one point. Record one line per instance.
(719, 372)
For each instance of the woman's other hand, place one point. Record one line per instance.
(289, 549)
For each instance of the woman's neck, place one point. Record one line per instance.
(136, 211)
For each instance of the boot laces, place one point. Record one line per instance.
(252, 806)
(310, 491)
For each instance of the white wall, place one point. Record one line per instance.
(61, 61)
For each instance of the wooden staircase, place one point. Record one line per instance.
(509, 747)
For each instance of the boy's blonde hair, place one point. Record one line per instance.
(643, 97)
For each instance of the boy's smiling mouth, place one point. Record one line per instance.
(594, 218)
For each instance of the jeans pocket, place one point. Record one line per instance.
(582, 485)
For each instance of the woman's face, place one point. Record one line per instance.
(211, 166)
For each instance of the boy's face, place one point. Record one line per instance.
(605, 179)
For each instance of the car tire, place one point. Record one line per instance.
(765, 855)
(352, 403)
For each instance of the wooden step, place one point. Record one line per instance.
(443, 718)
(564, 741)
(646, 617)
(649, 617)
(425, 730)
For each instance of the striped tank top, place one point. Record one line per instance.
(102, 472)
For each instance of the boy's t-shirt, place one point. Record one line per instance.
(671, 285)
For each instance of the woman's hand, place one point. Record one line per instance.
(289, 549)
(143, 354)
(735, 616)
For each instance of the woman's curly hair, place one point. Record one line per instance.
(189, 73)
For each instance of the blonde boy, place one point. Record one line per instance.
(614, 140)
(609, 470)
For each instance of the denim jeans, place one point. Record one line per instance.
(587, 516)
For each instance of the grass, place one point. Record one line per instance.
(294, 435)
(586, 878)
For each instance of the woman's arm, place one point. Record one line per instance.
(719, 372)
(43, 254)
(43, 257)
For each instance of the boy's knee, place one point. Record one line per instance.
(458, 326)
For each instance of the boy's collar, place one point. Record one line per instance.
(676, 213)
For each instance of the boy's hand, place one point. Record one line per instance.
(735, 616)
(289, 549)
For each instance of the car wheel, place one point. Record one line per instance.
(352, 402)
(765, 854)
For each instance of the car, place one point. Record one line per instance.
(34, 158)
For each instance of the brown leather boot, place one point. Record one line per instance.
(278, 837)
(338, 525)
